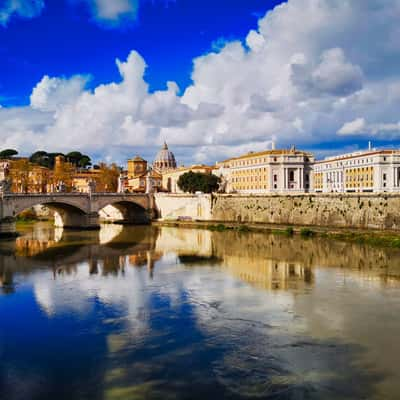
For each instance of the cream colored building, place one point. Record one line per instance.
(170, 178)
(364, 171)
(268, 172)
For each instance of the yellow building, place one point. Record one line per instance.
(269, 171)
(136, 167)
(139, 178)
(27, 177)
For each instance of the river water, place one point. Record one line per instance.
(167, 313)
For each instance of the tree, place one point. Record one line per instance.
(44, 159)
(193, 182)
(20, 175)
(108, 177)
(84, 162)
(40, 158)
(8, 153)
(79, 159)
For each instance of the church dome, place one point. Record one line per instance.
(164, 160)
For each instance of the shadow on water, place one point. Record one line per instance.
(187, 314)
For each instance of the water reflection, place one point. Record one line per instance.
(171, 313)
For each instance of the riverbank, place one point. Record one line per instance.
(377, 238)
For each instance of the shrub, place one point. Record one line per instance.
(289, 231)
(306, 232)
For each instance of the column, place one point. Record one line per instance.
(284, 179)
(300, 183)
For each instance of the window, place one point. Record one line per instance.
(291, 176)
(384, 177)
(275, 178)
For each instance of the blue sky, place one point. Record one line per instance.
(215, 79)
(65, 40)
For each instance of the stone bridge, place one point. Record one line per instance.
(77, 210)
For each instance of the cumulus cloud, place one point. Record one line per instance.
(331, 76)
(20, 8)
(51, 94)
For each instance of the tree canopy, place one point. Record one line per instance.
(192, 182)
(8, 153)
(45, 159)
(78, 159)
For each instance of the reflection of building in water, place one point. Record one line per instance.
(25, 247)
(250, 252)
(270, 274)
(145, 258)
(185, 241)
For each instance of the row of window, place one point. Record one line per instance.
(250, 171)
(347, 163)
(250, 187)
(249, 179)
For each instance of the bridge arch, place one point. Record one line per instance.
(77, 210)
(125, 212)
(70, 211)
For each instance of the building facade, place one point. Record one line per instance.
(170, 178)
(269, 171)
(139, 178)
(364, 171)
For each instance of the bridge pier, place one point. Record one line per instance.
(7, 227)
(70, 220)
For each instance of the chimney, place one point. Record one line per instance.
(369, 146)
(273, 147)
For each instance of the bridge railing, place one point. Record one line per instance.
(71, 194)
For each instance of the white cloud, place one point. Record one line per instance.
(113, 12)
(21, 8)
(360, 127)
(51, 94)
(353, 127)
(333, 75)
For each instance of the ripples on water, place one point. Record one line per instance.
(147, 313)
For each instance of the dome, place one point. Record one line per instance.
(164, 160)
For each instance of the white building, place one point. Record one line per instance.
(364, 171)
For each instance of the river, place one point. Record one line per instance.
(168, 313)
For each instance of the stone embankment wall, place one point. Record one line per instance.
(350, 211)
(377, 211)
(173, 206)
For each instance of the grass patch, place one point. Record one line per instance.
(289, 231)
(306, 232)
(243, 228)
(218, 228)
(372, 240)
